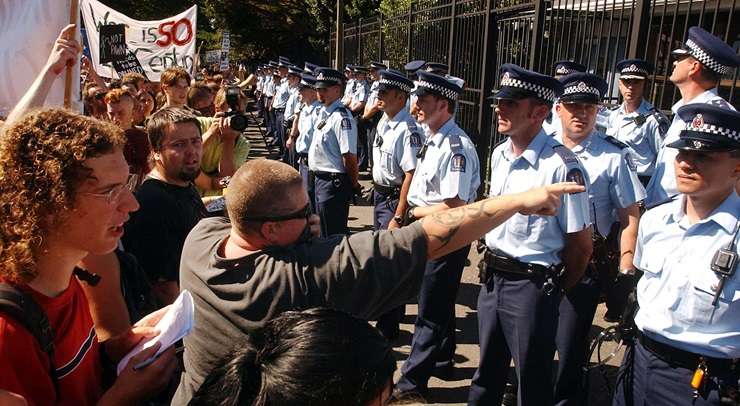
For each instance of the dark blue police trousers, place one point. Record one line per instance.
(385, 209)
(332, 203)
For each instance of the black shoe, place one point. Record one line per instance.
(509, 398)
(390, 334)
(612, 318)
(406, 397)
(445, 373)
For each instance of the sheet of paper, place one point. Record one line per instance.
(174, 325)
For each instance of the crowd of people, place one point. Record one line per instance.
(109, 214)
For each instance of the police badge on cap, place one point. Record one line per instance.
(709, 128)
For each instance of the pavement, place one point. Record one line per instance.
(455, 391)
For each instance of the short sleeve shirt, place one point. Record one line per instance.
(537, 239)
(641, 131)
(306, 123)
(397, 142)
(334, 135)
(362, 89)
(212, 153)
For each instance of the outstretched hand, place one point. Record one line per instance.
(545, 201)
(65, 50)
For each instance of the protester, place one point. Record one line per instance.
(262, 261)
(170, 205)
(175, 82)
(316, 357)
(63, 196)
(200, 98)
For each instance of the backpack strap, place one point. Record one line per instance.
(21, 307)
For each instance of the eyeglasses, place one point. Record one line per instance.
(114, 193)
(304, 213)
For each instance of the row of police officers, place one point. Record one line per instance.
(542, 277)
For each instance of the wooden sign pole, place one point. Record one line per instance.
(73, 13)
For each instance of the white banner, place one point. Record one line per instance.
(28, 29)
(225, 45)
(157, 45)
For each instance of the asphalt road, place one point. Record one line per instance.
(454, 392)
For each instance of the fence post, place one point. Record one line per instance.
(452, 35)
(538, 30)
(358, 58)
(640, 27)
(488, 75)
(380, 38)
(340, 36)
(411, 16)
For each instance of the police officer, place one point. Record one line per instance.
(301, 134)
(518, 302)
(411, 69)
(447, 175)
(357, 107)
(349, 87)
(614, 192)
(269, 93)
(291, 111)
(279, 101)
(332, 156)
(372, 112)
(697, 70)
(636, 122)
(397, 143)
(687, 347)
(561, 68)
(438, 68)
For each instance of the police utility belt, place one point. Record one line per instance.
(498, 262)
(685, 359)
(302, 158)
(329, 175)
(389, 191)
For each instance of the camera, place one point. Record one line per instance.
(237, 120)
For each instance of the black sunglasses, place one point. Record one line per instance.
(304, 213)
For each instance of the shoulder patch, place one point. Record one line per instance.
(661, 202)
(575, 175)
(415, 140)
(457, 163)
(615, 142)
(346, 124)
(343, 111)
(630, 162)
(663, 122)
(455, 143)
(565, 154)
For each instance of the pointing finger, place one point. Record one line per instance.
(565, 188)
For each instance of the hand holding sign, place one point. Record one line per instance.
(65, 51)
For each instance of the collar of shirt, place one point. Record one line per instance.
(532, 153)
(725, 215)
(330, 109)
(584, 145)
(642, 109)
(702, 98)
(398, 118)
(436, 138)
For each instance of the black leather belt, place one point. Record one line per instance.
(501, 263)
(302, 158)
(387, 190)
(329, 175)
(685, 359)
(279, 110)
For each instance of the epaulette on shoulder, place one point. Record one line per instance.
(344, 112)
(455, 142)
(615, 142)
(661, 202)
(565, 154)
(663, 123)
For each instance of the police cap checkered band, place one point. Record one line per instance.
(400, 85)
(581, 88)
(323, 77)
(542, 92)
(444, 91)
(698, 125)
(634, 69)
(697, 52)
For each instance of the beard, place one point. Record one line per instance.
(188, 175)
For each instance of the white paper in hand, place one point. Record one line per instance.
(174, 325)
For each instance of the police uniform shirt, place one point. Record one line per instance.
(306, 124)
(349, 89)
(396, 155)
(448, 170)
(294, 101)
(663, 183)
(676, 290)
(612, 178)
(362, 89)
(282, 92)
(334, 134)
(259, 83)
(373, 96)
(537, 239)
(642, 136)
(270, 87)
(552, 125)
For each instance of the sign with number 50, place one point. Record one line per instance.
(172, 32)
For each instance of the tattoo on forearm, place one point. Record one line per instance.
(452, 219)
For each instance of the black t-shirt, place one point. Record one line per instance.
(156, 232)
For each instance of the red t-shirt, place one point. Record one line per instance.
(24, 366)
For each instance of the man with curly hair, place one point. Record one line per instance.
(63, 196)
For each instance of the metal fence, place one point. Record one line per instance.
(475, 37)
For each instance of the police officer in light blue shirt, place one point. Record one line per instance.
(687, 345)
(357, 108)
(411, 68)
(371, 114)
(447, 175)
(291, 109)
(614, 192)
(332, 156)
(279, 101)
(302, 133)
(636, 122)
(697, 70)
(349, 86)
(518, 302)
(561, 68)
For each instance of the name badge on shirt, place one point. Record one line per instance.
(458, 163)
(346, 124)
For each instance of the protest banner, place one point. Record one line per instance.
(155, 45)
(225, 46)
(28, 29)
(112, 43)
(213, 56)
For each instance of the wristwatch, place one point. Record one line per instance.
(410, 214)
(627, 272)
(398, 220)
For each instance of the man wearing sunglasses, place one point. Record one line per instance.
(261, 261)
(698, 68)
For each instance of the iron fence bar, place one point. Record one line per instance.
(593, 31)
(409, 33)
(539, 16)
(716, 13)
(578, 50)
(639, 35)
(673, 32)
